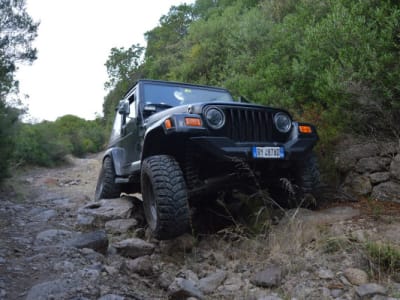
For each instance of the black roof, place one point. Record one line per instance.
(174, 83)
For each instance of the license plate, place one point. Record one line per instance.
(268, 152)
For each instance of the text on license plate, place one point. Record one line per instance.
(268, 152)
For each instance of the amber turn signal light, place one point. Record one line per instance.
(305, 129)
(196, 122)
(168, 123)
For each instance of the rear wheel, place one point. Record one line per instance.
(165, 197)
(106, 187)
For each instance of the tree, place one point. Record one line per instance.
(17, 31)
(164, 42)
(123, 65)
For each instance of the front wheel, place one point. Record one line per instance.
(165, 197)
(299, 186)
(307, 174)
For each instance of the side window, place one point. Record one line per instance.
(116, 129)
(132, 101)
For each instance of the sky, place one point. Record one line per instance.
(74, 41)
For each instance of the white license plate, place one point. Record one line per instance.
(268, 152)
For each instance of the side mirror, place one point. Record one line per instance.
(124, 108)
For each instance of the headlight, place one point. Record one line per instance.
(215, 118)
(282, 122)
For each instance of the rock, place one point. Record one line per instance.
(233, 283)
(210, 283)
(104, 210)
(345, 160)
(96, 240)
(134, 247)
(270, 277)
(336, 293)
(164, 280)
(120, 226)
(3, 294)
(387, 191)
(270, 297)
(358, 184)
(67, 286)
(111, 297)
(356, 276)
(366, 291)
(379, 177)
(395, 167)
(188, 274)
(183, 288)
(390, 233)
(53, 236)
(372, 164)
(141, 265)
(325, 274)
(389, 149)
(44, 216)
(183, 243)
(359, 235)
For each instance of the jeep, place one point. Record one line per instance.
(179, 144)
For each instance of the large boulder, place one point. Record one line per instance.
(372, 164)
(98, 213)
(395, 167)
(358, 184)
(349, 153)
(388, 191)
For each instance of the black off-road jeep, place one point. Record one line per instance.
(177, 143)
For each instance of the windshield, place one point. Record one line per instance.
(174, 95)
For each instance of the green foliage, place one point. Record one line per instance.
(164, 42)
(8, 121)
(17, 31)
(39, 144)
(122, 65)
(47, 143)
(384, 257)
(332, 63)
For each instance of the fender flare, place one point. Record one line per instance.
(117, 155)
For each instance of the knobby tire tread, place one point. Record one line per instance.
(171, 197)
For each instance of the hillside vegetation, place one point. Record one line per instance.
(335, 63)
(331, 62)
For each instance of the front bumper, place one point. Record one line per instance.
(295, 148)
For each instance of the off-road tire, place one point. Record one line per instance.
(165, 197)
(297, 188)
(306, 181)
(106, 187)
(308, 175)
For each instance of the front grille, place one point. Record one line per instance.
(249, 124)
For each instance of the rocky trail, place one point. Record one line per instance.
(56, 243)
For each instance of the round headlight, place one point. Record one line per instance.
(282, 122)
(215, 118)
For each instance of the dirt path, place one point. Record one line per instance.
(307, 255)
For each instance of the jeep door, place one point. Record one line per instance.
(130, 141)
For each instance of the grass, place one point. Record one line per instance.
(383, 257)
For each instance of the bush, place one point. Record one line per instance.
(47, 143)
